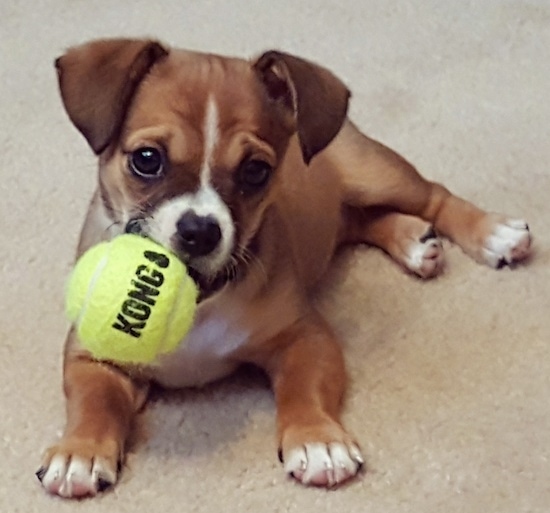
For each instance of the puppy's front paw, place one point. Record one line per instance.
(76, 469)
(508, 241)
(320, 454)
(321, 464)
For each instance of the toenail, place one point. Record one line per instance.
(430, 234)
(103, 484)
(40, 473)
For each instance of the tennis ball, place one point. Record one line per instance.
(130, 300)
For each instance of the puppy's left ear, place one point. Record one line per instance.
(97, 81)
(316, 98)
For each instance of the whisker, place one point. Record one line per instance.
(108, 228)
(114, 223)
(248, 259)
(147, 207)
(231, 268)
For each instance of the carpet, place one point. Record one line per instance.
(450, 378)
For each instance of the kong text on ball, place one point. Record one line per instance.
(130, 300)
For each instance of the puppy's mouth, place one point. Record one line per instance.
(208, 285)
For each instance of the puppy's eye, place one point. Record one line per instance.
(146, 162)
(253, 175)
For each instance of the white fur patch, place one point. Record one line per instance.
(324, 465)
(510, 241)
(204, 354)
(425, 259)
(211, 135)
(76, 477)
(205, 202)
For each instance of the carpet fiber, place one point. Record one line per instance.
(450, 379)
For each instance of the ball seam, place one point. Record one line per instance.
(93, 281)
(175, 304)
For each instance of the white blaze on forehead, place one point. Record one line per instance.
(210, 136)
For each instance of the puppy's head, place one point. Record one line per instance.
(190, 144)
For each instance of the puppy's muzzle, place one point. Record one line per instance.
(198, 236)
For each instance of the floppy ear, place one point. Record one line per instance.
(316, 98)
(98, 80)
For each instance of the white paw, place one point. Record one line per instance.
(324, 465)
(509, 242)
(425, 257)
(76, 477)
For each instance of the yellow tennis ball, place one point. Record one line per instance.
(130, 300)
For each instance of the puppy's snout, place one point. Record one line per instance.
(199, 235)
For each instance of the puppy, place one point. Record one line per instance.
(253, 174)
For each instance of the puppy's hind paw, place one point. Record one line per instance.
(425, 257)
(509, 242)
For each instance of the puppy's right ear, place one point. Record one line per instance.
(98, 80)
(316, 98)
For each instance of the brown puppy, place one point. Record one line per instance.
(253, 174)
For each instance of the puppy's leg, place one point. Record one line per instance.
(101, 407)
(409, 240)
(308, 375)
(373, 174)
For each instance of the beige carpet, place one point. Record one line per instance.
(450, 379)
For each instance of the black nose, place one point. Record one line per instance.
(199, 235)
